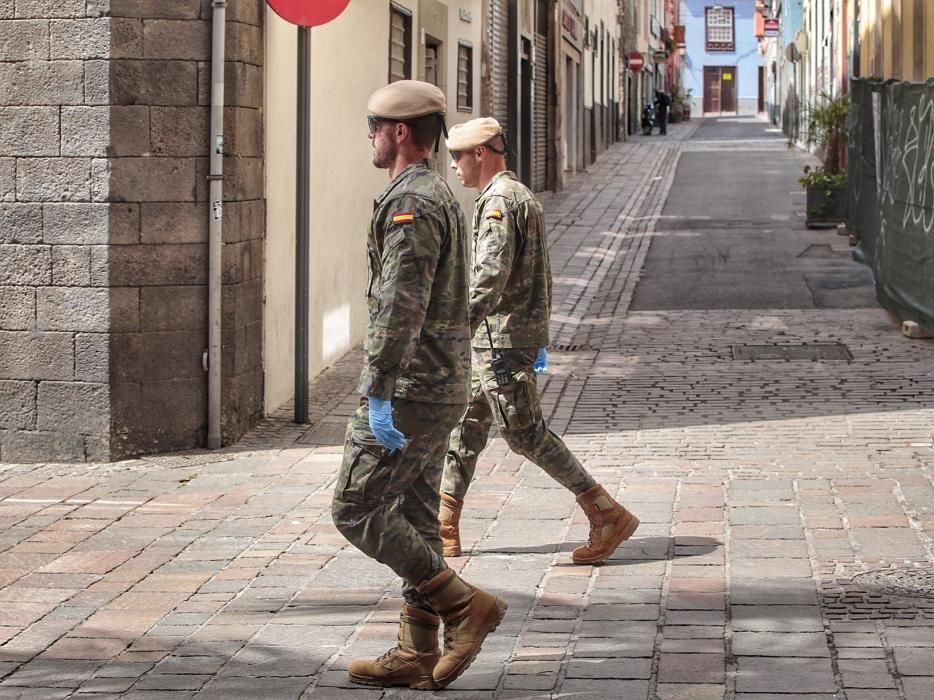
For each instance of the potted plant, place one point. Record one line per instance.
(825, 185)
(686, 102)
(674, 115)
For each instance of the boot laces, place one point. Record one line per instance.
(391, 653)
(451, 623)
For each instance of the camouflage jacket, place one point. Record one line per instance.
(511, 281)
(418, 336)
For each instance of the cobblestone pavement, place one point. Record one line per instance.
(764, 487)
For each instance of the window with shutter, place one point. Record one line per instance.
(719, 28)
(400, 44)
(464, 77)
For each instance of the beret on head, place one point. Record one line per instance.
(407, 99)
(471, 134)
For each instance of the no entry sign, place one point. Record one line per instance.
(636, 61)
(308, 13)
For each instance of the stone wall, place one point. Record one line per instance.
(54, 224)
(103, 226)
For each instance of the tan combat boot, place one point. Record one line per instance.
(610, 525)
(449, 519)
(411, 661)
(469, 615)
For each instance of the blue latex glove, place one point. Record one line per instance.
(541, 362)
(382, 426)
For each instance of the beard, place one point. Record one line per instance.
(384, 153)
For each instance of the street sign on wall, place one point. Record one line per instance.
(635, 60)
(308, 13)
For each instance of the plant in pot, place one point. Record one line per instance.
(686, 104)
(825, 185)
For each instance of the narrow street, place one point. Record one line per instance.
(723, 367)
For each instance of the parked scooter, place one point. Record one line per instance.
(649, 119)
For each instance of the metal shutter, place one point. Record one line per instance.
(499, 62)
(540, 116)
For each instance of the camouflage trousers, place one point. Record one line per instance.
(518, 414)
(386, 503)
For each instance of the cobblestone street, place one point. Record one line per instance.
(765, 479)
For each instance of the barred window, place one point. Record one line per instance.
(720, 34)
(464, 77)
(400, 44)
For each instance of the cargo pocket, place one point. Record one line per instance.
(365, 472)
(516, 405)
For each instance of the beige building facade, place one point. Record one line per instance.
(350, 58)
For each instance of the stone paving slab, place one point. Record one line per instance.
(763, 488)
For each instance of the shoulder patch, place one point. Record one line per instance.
(403, 217)
(495, 214)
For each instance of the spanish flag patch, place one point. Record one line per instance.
(403, 217)
(495, 214)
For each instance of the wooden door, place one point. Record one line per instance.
(711, 89)
(727, 89)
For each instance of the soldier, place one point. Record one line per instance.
(510, 305)
(413, 390)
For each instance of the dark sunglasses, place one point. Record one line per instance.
(456, 155)
(373, 122)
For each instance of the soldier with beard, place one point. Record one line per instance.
(413, 390)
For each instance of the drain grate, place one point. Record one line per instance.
(572, 347)
(909, 583)
(813, 353)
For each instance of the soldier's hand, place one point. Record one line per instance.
(541, 362)
(382, 426)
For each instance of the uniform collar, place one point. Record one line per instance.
(496, 178)
(406, 172)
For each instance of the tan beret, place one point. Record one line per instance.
(471, 134)
(407, 99)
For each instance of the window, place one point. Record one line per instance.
(464, 77)
(400, 44)
(431, 63)
(720, 35)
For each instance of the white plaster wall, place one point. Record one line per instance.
(349, 61)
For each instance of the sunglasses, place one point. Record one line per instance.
(373, 122)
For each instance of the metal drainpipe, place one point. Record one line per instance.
(215, 224)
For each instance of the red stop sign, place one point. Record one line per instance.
(308, 13)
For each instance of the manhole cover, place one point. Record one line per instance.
(831, 351)
(911, 583)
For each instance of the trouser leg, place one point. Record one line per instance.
(518, 413)
(468, 439)
(381, 504)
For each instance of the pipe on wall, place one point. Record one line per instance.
(215, 223)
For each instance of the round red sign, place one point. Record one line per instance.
(308, 13)
(636, 60)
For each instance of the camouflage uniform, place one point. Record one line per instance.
(510, 289)
(417, 354)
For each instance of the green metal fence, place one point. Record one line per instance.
(890, 187)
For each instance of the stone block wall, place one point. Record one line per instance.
(103, 226)
(54, 297)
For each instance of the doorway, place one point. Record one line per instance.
(761, 106)
(719, 89)
(570, 113)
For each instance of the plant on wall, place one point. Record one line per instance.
(827, 127)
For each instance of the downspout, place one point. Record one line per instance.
(215, 224)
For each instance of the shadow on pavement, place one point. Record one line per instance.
(635, 551)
